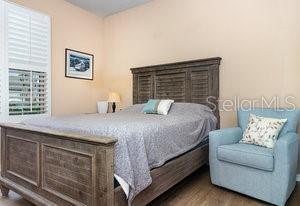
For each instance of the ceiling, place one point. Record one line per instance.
(104, 8)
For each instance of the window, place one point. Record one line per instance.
(25, 70)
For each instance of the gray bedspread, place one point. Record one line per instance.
(145, 141)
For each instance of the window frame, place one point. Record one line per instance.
(4, 86)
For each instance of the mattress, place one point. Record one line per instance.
(204, 142)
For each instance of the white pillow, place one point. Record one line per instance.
(164, 106)
(262, 131)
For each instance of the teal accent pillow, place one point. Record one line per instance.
(151, 106)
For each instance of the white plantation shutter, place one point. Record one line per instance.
(40, 41)
(27, 70)
(19, 92)
(28, 39)
(18, 37)
(27, 92)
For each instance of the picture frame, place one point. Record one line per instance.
(79, 65)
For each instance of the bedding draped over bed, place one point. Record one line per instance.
(145, 141)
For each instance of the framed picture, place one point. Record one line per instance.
(79, 65)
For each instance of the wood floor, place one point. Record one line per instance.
(195, 190)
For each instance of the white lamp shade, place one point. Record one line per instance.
(114, 97)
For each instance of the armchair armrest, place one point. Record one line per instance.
(223, 137)
(286, 150)
(285, 165)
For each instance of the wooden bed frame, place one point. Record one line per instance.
(48, 167)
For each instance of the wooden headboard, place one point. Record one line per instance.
(189, 81)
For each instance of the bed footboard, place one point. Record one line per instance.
(51, 168)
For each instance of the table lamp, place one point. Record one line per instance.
(113, 97)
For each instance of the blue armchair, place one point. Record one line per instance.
(265, 174)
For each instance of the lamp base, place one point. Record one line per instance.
(113, 107)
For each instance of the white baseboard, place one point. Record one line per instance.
(298, 178)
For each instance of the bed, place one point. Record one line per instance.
(57, 166)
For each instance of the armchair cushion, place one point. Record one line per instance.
(247, 155)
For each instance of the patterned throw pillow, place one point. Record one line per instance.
(156, 106)
(262, 131)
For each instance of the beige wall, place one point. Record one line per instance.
(77, 29)
(257, 39)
